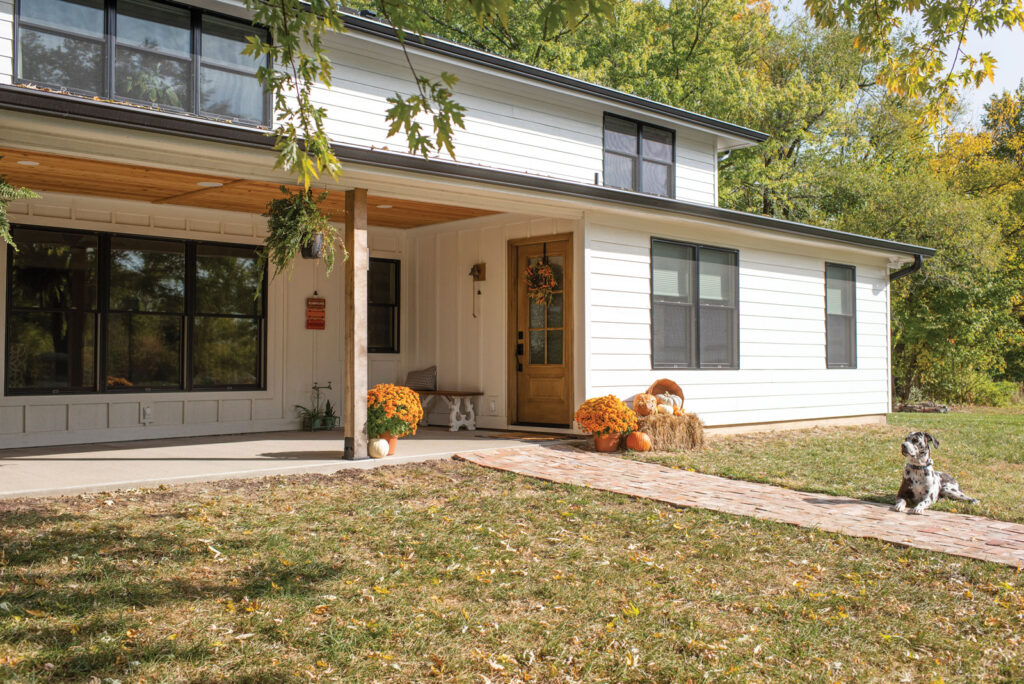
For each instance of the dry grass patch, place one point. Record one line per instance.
(449, 572)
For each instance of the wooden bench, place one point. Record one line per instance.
(460, 407)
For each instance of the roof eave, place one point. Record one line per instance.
(82, 109)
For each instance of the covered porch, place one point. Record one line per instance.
(99, 179)
(109, 466)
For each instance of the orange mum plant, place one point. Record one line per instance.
(604, 415)
(392, 409)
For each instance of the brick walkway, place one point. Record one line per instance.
(961, 535)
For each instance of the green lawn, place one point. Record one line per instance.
(448, 572)
(982, 448)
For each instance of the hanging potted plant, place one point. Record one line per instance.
(540, 282)
(392, 412)
(608, 419)
(8, 194)
(296, 225)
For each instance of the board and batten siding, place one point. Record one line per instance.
(463, 333)
(296, 357)
(511, 124)
(782, 374)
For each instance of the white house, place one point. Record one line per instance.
(130, 311)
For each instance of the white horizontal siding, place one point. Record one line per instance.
(782, 374)
(510, 125)
(6, 41)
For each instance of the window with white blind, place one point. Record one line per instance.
(638, 156)
(840, 316)
(694, 306)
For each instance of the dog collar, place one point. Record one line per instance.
(927, 465)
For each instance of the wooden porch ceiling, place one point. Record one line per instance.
(75, 175)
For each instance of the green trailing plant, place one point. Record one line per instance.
(8, 194)
(294, 222)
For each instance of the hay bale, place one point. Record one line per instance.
(673, 433)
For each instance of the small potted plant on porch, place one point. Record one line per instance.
(392, 411)
(608, 419)
(320, 416)
(296, 225)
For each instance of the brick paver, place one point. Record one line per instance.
(962, 535)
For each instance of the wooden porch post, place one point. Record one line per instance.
(356, 267)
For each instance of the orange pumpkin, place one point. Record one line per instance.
(645, 404)
(638, 441)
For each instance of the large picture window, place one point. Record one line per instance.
(146, 51)
(840, 316)
(382, 306)
(638, 156)
(694, 306)
(91, 312)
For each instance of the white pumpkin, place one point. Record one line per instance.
(665, 409)
(665, 399)
(677, 401)
(378, 448)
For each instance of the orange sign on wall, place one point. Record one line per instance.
(316, 313)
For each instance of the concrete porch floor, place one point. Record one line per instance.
(106, 466)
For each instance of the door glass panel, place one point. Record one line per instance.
(555, 346)
(557, 268)
(536, 314)
(555, 312)
(536, 346)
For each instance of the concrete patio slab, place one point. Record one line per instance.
(49, 471)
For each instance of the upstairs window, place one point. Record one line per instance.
(145, 51)
(694, 306)
(638, 156)
(840, 316)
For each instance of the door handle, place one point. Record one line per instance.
(519, 349)
(519, 366)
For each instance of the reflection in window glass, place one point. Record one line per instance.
(840, 317)
(51, 350)
(60, 61)
(383, 283)
(154, 26)
(76, 16)
(537, 346)
(231, 95)
(227, 280)
(226, 352)
(51, 333)
(151, 78)
(143, 350)
(223, 42)
(147, 275)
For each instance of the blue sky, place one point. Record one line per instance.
(1008, 48)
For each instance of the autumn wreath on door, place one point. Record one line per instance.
(540, 282)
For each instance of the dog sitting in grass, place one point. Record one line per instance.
(922, 483)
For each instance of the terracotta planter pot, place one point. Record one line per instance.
(608, 442)
(392, 442)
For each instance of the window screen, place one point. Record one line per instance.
(840, 316)
(152, 55)
(382, 309)
(638, 156)
(694, 306)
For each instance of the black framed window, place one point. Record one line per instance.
(694, 306)
(152, 52)
(93, 312)
(52, 307)
(840, 316)
(382, 310)
(638, 156)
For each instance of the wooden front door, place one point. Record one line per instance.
(541, 344)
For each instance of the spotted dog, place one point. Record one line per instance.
(921, 481)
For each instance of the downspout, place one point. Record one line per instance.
(908, 270)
